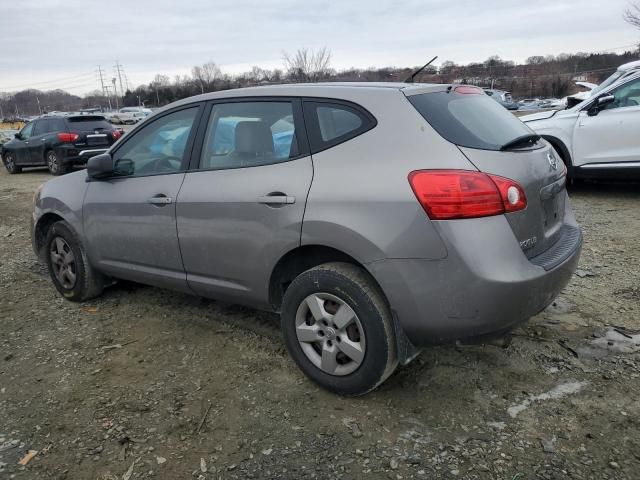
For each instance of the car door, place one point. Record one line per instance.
(611, 136)
(37, 141)
(241, 206)
(20, 146)
(129, 219)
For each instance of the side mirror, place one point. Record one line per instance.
(100, 166)
(124, 167)
(606, 99)
(17, 135)
(601, 102)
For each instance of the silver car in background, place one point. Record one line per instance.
(376, 218)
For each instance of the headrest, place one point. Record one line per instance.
(253, 137)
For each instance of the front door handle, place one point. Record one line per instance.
(277, 199)
(160, 200)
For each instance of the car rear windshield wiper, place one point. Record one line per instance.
(529, 138)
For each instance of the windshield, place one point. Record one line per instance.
(469, 120)
(609, 81)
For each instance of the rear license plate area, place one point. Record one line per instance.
(553, 210)
(98, 139)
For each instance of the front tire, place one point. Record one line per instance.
(338, 328)
(10, 163)
(54, 164)
(68, 265)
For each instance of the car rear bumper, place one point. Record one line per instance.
(484, 287)
(70, 154)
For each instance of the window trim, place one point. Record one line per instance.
(316, 143)
(298, 119)
(188, 150)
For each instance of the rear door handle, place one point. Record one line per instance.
(160, 200)
(277, 199)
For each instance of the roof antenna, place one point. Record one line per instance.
(413, 75)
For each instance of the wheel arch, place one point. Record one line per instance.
(298, 260)
(41, 229)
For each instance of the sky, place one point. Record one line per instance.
(60, 44)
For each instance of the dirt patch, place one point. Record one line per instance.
(146, 383)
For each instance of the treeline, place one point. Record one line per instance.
(548, 76)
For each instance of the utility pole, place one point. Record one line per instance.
(118, 66)
(104, 92)
(113, 80)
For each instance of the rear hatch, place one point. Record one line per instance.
(94, 131)
(497, 143)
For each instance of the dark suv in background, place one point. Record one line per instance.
(58, 142)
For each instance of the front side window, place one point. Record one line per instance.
(41, 127)
(627, 95)
(249, 134)
(157, 148)
(26, 131)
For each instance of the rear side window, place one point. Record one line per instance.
(469, 120)
(249, 134)
(88, 123)
(330, 123)
(49, 125)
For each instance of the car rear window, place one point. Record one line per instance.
(89, 123)
(469, 120)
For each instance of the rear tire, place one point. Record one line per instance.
(338, 328)
(69, 268)
(54, 163)
(10, 163)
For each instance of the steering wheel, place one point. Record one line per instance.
(162, 165)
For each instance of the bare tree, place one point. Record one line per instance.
(307, 65)
(197, 74)
(632, 14)
(206, 76)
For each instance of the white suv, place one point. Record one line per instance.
(599, 136)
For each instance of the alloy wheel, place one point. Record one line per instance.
(52, 162)
(330, 334)
(9, 162)
(63, 262)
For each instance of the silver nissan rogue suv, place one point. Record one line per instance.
(376, 218)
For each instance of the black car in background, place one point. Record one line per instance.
(58, 142)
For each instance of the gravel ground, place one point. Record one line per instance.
(146, 383)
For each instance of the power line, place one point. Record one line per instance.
(47, 81)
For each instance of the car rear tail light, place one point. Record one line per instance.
(512, 194)
(116, 134)
(451, 194)
(68, 137)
